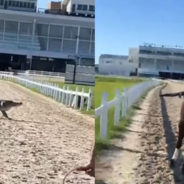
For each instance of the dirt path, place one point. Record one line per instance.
(44, 140)
(142, 156)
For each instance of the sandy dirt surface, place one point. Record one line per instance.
(142, 155)
(43, 141)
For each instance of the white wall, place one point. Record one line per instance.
(76, 2)
(114, 66)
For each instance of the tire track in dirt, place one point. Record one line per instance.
(162, 124)
(44, 140)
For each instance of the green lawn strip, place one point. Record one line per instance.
(109, 86)
(115, 131)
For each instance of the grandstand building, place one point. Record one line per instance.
(160, 61)
(38, 41)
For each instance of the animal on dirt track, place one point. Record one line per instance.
(89, 169)
(180, 126)
(6, 105)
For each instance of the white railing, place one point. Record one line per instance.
(75, 99)
(122, 102)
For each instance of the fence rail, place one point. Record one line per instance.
(122, 102)
(75, 99)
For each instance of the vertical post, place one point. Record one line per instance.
(117, 108)
(63, 95)
(82, 100)
(124, 104)
(103, 118)
(89, 100)
(76, 98)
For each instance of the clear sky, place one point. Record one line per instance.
(122, 24)
(44, 3)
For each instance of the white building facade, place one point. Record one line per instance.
(114, 65)
(160, 61)
(79, 7)
(32, 40)
(19, 5)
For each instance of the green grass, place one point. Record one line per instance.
(109, 85)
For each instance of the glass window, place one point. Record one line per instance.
(91, 8)
(79, 7)
(92, 48)
(21, 4)
(85, 34)
(73, 8)
(43, 43)
(84, 47)
(54, 44)
(56, 31)
(11, 27)
(85, 7)
(32, 5)
(42, 29)
(69, 46)
(1, 2)
(26, 28)
(71, 32)
(1, 25)
(93, 35)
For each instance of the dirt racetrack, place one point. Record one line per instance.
(43, 141)
(142, 155)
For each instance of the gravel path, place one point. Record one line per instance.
(44, 140)
(142, 155)
(159, 140)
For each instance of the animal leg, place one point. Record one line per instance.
(5, 114)
(180, 137)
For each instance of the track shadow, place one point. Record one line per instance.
(170, 141)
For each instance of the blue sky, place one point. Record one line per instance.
(44, 3)
(122, 24)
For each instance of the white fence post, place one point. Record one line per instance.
(65, 96)
(89, 100)
(82, 100)
(76, 98)
(103, 118)
(117, 108)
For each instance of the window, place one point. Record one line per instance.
(91, 8)
(1, 2)
(84, 47)
(85, 34)
(73, 8)
(42, 29)
(71, 32)
(93, 35)
(26, 28)
(54, 44)
(56, 31)
(11, 27)
(69, 46)
(179, 54)
(164, 53)
(1, 25)
(85, 7)
(82, 7)
(32, 5)
(146, 52)
(79, 7)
